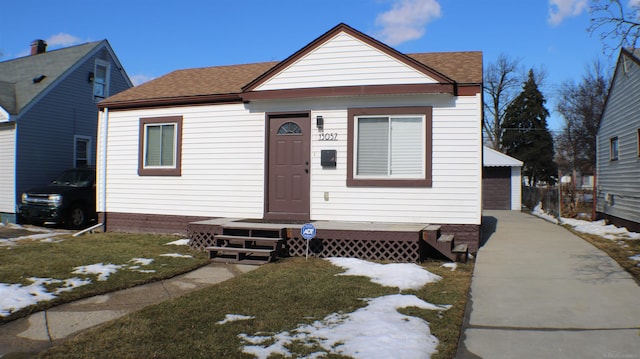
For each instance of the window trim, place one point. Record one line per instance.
(425, 181)
(160, 171)
(89, 154)
(614, 156)
(638, 141)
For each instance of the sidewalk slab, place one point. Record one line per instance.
(41, 330)
(540, 291)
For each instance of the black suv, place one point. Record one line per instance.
(69, 199)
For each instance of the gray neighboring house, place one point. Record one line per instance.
(618, 146)
(48, 113)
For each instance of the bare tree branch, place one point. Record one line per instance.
(613, 21)
(501, 82)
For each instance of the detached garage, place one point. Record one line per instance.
(501, 181)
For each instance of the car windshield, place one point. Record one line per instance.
(74, 178)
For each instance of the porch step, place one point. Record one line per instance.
(225, 254)
(253, 241)
(445, 243)
(248, 245)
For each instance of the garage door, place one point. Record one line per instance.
(496, 188)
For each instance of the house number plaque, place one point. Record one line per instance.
(329, 136)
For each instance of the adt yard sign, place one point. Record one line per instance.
(308, 231)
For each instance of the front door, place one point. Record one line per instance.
(288, 168)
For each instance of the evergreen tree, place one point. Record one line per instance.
(526, 136)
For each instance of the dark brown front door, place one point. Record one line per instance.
(288, 168)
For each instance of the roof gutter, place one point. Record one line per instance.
(170, 101)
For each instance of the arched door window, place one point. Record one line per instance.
(289, 128)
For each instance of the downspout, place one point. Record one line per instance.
(102, 169)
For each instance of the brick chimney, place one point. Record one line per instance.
(38, 47)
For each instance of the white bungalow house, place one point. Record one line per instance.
(346, 133)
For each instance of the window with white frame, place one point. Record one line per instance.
(613, 149)
(101, 80)
(82, 151)
(389, 146)
(160, 146)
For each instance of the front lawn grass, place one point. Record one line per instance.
(281, 296)
(57, 259)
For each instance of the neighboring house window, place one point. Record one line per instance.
(160, 145)
(389, 147)
(613, 149)
(82, 151)
(101, 80)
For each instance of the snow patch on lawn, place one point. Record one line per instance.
(234, 317)
(377, 330)
(401, 275)
(176, 255)
(103, 271)
(14, 297)
(179, 242)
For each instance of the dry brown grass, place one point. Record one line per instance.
(281, 296)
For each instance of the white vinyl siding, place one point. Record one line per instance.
(516, 188)
(345, 61)
(390, 147)
(7, 168)
(223, 168)
(455, 195)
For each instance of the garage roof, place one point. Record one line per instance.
(493, 158)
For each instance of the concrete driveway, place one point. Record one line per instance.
(539, 291)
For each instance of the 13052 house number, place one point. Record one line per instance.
(329, 136)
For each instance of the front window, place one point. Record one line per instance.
(613, 149)
(160, 152)
(389, 147)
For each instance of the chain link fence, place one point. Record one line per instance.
(560, 201)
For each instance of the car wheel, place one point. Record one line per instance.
(77, 217)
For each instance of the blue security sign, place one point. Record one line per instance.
(308, 231)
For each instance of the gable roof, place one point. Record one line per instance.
(236, 82)
(19, 84)
(493, 158)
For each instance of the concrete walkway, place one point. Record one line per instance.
(24, 337)
(538, 291)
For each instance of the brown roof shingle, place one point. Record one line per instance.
(226, 82)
